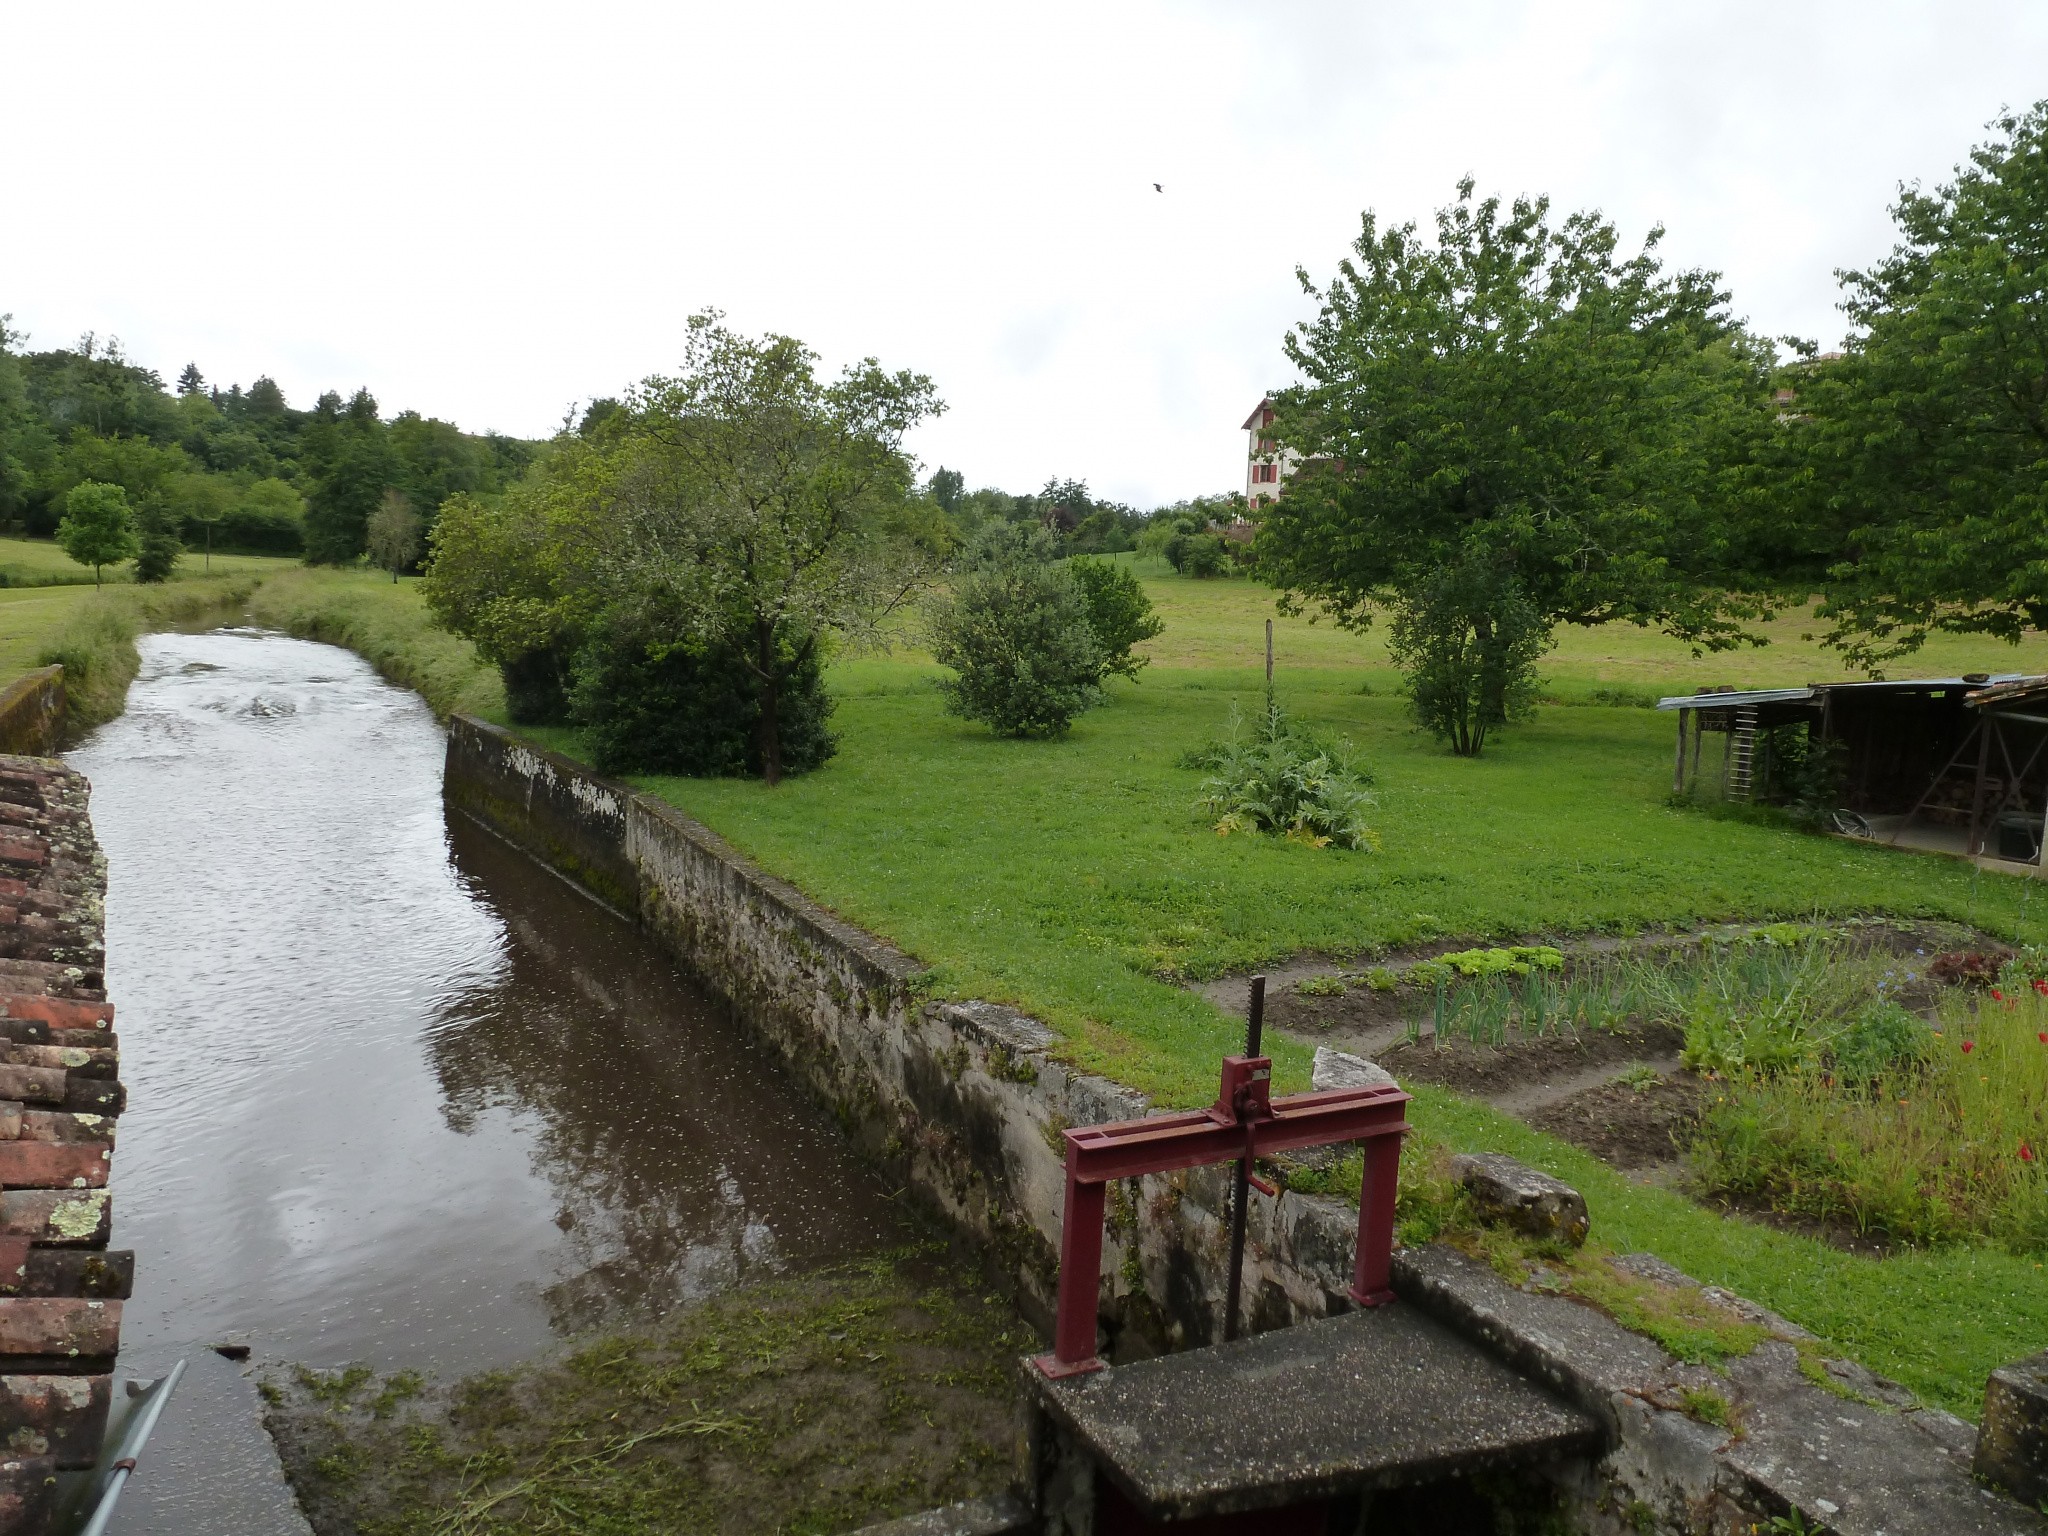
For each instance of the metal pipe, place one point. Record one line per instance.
(133, 1437)
(1255, 1027)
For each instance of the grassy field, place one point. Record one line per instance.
(1077, 879)
(40, 563)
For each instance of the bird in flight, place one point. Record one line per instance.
(1157, 188)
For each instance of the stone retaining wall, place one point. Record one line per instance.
(965, 1101)
(60, 1290)
(32, 713)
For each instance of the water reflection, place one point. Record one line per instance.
(397, 1094)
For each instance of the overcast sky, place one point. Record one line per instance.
(491, 213)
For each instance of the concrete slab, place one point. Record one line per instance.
(1385, 1398)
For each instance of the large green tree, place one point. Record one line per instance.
(353, 463)
(1926, 443)
(1519, 400)
(767, 507)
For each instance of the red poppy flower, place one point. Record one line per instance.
(2041, 987)
(1998, 994)
(2026, 1153)
(2042, 1037)
(1969, 1046)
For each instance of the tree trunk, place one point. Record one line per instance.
(770, 727)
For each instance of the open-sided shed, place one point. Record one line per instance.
(1955, 764)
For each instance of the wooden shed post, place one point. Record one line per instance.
(1678, 772)
(1976, 844)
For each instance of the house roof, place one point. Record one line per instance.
(1258, 410)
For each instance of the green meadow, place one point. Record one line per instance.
(1078, 879)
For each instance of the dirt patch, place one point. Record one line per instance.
(814, 1404)
(1628, 1124)
(1497, 1071)
(1836, 1234)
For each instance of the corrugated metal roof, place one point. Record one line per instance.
(1736, 700)
(1999, 688)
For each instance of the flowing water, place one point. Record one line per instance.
(396, 1094)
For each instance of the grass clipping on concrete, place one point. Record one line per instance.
(812, 1404)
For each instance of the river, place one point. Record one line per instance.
(396, 1094)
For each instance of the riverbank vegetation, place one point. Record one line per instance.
(213, 469)
(809, 1405)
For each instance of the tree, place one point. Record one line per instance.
(1926, 443)
(352, 461)
(514, 577)
(98, 527)
(766, 508)
(1468, 641)
(1119, 613)
(947, 487)
(191, 381)
(205, 500)
(1015, 631)
(157, 545)
(394, 533)
(1517, 398)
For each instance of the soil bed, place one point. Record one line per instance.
(813, 1404)
(1501, 1071)
(1626, 1124)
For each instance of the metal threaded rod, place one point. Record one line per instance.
(1255, 1029)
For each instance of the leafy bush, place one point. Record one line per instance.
(1197, 554)
(537, 684)
(1118, 611)
(1882, 1037)
(1468, 643)
(650, 704)
(1016, 631)
(1286, 782)
(1321, 986)
(157, 545)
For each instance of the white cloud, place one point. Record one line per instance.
(489, 213)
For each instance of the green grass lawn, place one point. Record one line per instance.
(40, 563)
(1077, 879)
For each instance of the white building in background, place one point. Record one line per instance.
(1267, 464)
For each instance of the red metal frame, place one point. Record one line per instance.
(1243, 1122)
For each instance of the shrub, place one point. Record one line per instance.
(1119, 613)
(157, 545)
(1197, 554)
(650, 704)
(1287, 783)
(537, 684)
(1468, 642)
(1015, 630)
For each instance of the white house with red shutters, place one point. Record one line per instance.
(1267, 463)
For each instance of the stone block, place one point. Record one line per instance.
(2012, 1442)
(58, 1012)
(1341, 1069)
(1520, 1196)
